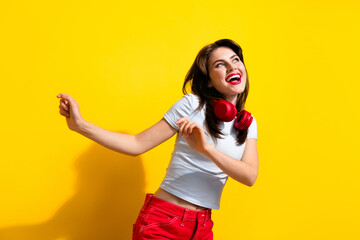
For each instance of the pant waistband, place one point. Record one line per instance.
(176, 210)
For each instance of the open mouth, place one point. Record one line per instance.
(234, 78)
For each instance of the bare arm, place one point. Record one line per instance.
(244, 171)
(126, 143)
(120, 142)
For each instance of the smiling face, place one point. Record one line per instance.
(227, 73)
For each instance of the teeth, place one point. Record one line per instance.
(235, 77)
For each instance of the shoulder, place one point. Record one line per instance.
(192, 99)
(184, 107)
(189, 101)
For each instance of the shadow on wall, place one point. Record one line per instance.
(109, 194)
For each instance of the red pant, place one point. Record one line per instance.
(159, 219)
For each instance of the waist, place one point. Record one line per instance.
(164, 195)
(176, 210)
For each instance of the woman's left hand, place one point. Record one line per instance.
(194, 135)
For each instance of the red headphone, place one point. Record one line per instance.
(226, 112)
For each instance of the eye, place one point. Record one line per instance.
(219, 65)
(236, 60)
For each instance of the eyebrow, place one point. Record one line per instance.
(222, 60)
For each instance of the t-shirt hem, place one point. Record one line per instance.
(251, 137)
(169, 121)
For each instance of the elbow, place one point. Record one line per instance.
(138, 151)
(134, 147)
(134, 153)
(247, 181)
(250, 181)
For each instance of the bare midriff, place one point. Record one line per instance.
(164, 195)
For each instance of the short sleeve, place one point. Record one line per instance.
(182, 108)
(252, 131)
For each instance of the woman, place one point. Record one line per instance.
(207, 150)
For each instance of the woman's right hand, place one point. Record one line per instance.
(69, 108)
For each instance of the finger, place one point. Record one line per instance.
(68, 99)
(186, 127)
(181, 128)
(182, 123)
(182, 120)
(63, 95)
(63, 106)
(64, 113)
(63, 109)
(64, 101)
(190, 128)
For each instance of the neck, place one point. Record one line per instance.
(232, 99)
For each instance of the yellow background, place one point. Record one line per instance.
(125, 61)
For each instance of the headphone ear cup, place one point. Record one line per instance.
(224, 110)
(243, 120)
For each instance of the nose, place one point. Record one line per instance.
(231, 67)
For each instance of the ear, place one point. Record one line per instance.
(210, 84)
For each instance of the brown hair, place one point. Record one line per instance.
(198, 77)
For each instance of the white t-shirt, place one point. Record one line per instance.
(191, 175)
